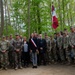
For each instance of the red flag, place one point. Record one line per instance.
(54, 18)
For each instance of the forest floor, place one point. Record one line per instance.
(42, 70)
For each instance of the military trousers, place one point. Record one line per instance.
(4, 59)
(67, 53)
(17, 59)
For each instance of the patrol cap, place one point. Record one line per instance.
(45, 34)
(3, 36)
(72, 27)
(17, 34)
(10, 34)
(64, 32)
(7, 36)
(50, 35)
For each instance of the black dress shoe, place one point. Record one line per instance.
(35, 66)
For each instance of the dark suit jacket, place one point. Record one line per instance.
(42, 43)
(31, 45)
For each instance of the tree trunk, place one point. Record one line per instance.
(68, 16)
(2, 18)
(60, 15)
(38, 19)
(28, 19)
(8, 14)
(63, 4)
(5, 22)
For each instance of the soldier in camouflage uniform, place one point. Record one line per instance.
(7, 38)
(17, 52)
(65, 47)
(72, 42)
(48, 48)
(11, 51)
(4, 53)
(53, 49)
(60, 46)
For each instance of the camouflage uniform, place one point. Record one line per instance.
(4, 55)
(53, 50)
(17, 53)
(65, 47)
(48, 50)
(11, 52)
(60, 46)
(72, 43)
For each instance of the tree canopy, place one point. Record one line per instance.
(27, 16)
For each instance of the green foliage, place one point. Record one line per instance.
(40, 16)
(10, 30)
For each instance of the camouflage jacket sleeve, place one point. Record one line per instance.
(8, 45)
(0, 45)
(65, 42)
(48, 45)
(72, 39)
(60, 42)
(54, 43)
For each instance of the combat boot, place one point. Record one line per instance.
(20, 67)
(16, 68)
(5, 68)
(1, 68)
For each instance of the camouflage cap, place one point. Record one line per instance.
(72, 27)
(17, 34)
(7, 36)
(3, 36)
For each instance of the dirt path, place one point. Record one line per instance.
(42, 70)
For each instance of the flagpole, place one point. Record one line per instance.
(51, 16)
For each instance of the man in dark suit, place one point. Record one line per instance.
(42, 50)
(33, 49)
